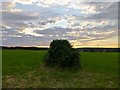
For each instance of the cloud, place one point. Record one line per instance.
(8, 5)
(48, 3)
(24, 1)
(83, 7)
(30, 31)
(18, 16)
(107, 10)
(20, 1)
(40, 22)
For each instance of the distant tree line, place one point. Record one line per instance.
(24, 48)
(80, 49)
(99, 49)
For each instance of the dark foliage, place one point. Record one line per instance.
(61, 54)
(79, 49)
(24, 48)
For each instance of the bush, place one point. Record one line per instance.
(62, 54)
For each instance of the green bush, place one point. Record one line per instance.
(62, 54)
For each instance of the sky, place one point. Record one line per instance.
(38, 22)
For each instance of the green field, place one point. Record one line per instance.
(25, 69)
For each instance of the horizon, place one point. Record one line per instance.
(37, 22)
(78, 46)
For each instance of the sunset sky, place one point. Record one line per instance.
(38, 22)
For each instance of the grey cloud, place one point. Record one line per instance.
(15, 24)
(62, 33)
(9, 39)
(44, 22)
(17, 20)
(110, 11)
(54, 31)
(17, 16)
(84, 36)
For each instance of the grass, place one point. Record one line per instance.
(25, 69)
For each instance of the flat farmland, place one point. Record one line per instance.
(25, 69)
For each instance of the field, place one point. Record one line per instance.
(25, 69)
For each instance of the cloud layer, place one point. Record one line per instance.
(38, 22)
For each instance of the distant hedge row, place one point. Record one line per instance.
(25, 48)
(80, 49)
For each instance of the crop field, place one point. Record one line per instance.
(25, 69)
